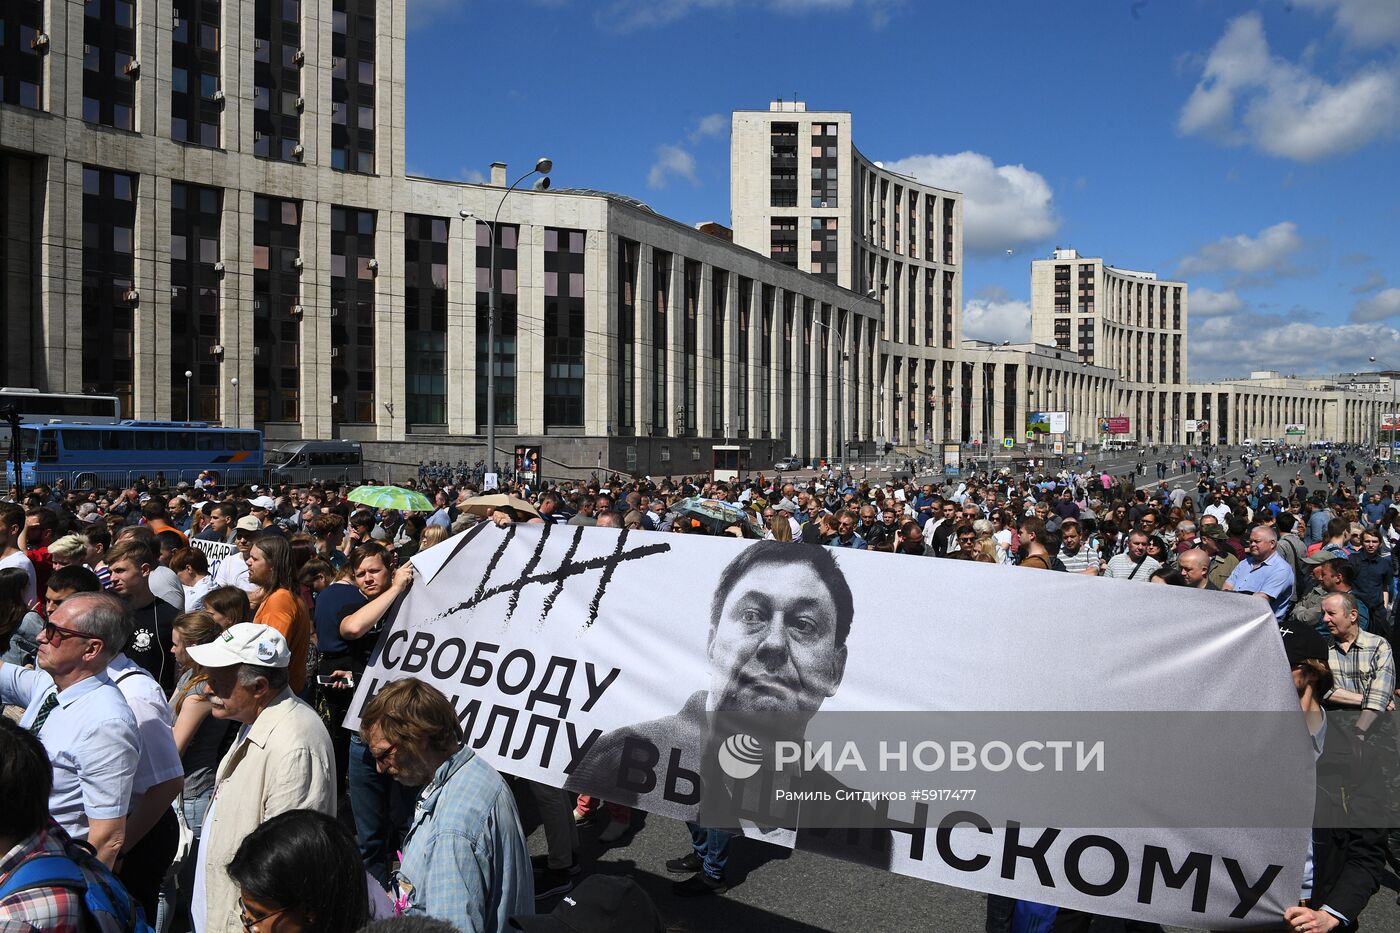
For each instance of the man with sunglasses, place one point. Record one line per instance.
(82, 719)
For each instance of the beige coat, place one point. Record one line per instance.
(284, 763)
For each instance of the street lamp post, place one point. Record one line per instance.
(236, 418)
(188, 376)
(988, 407)
(542, 167)
(840, 379)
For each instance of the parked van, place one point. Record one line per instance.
(316, 462)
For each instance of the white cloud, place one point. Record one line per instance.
(472, 176)
(629, 15)
(994, 317)
(1206, 303)
(1243, 258)
(715, 124)
(423, 12)
(1363, 23)
(671, 160)
(1286, 109)
(1234, 345)
(1003, 205)
(1380, 306)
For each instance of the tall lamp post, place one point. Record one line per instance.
(542, 167)
(188, 376)
(988, 406)
(236, 415)
(840, 380)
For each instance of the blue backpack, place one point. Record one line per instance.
(107, 907)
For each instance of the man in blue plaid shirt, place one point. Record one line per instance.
(464, 858)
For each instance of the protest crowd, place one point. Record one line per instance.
(177, 664)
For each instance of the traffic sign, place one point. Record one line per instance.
(1008, 442)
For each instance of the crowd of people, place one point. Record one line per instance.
(180, 663)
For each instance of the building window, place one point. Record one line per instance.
(563, 327)
(824, 247)
(719, 302)
(352, 86)
(425, 319)
(195, 218)
(782, 239)
(277, 79)
(109, 223)
(507, 262)
(745, 307)
(21, 71)
(194, 75)
(688, 417)
(824, 165)
(627, 253)
(109, 51)
(783, 165)
(660, 339)
(276, 292)
(352, 316)
(765, 362)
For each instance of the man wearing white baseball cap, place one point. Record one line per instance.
(282, 759)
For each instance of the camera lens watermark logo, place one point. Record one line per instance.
(740, 756)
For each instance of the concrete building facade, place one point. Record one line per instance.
(205, 210)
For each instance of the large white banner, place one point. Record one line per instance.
(1002, 730)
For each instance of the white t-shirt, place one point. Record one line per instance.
(21, 560)
(233, 571)
(194, 595)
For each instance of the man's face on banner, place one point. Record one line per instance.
(774, 646)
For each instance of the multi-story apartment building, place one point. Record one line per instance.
(217, 187)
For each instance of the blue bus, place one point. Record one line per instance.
(90, 456)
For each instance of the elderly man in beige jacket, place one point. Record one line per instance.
(282, 760)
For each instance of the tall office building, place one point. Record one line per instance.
(217, 187)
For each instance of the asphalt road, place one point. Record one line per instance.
(781, 891)
(796, 892)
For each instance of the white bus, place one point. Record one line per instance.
(35, 407)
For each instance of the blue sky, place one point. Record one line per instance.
(1250, 148)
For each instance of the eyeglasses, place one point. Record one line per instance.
(381, 755)
(54, 634)
(250, 923)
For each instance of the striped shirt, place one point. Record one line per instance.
(1367, 668)
(1086, 558)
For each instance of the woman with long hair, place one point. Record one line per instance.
(228, 605)
(433, 534)
(270, 567)
(199, 738)
(382, 806)
(300, 871)
(19, 624)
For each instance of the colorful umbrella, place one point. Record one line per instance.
(483, 505)
(717, 515)
(391, 497)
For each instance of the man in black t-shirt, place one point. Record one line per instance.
(131, 562)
